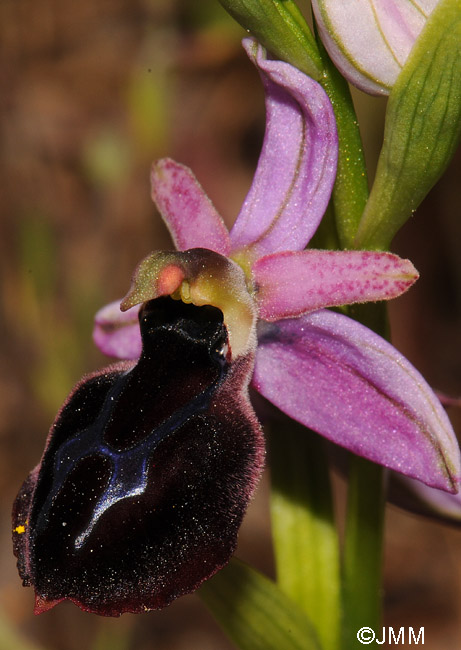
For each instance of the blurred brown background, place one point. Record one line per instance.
(90, 94)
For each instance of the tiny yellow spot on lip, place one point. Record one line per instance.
(20, 529)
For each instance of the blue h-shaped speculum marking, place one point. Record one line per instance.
(129, 473)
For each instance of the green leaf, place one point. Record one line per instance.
(281, 28)
(306, 542)
(422, 130)
(255, 613)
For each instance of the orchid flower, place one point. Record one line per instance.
(368, 40)
(160, 454)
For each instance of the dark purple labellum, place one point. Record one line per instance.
(147, 472)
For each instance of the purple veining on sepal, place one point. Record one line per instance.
(292, 283)
(187, 211)
(421, 499)
(117, 333)
(344, 381)
(297, 167)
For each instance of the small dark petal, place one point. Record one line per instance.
(147, 472)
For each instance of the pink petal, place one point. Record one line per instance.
(117, 333)
(369, 40)
(339, 378)
(292, 283)
(297, 166)
(187, 211)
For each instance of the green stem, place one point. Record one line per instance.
(362, 553)
(350, 192)
(363, 549)
(304, 532)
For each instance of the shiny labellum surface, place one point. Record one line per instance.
(147, 472)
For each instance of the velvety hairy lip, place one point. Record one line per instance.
(160, 458)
